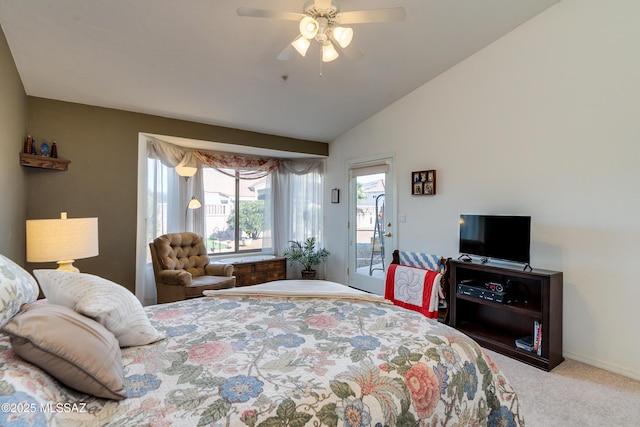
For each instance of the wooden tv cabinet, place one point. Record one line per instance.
(535, 296)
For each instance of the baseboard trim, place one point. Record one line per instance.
(602, 365)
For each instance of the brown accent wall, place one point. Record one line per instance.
(13, 119)
(101, 181)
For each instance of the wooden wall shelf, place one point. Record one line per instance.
(42, 162)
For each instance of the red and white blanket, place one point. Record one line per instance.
(413, 288)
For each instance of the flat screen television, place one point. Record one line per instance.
(496, 236)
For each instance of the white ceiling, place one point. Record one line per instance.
(197, 60)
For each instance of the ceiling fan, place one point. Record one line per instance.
(322, 20)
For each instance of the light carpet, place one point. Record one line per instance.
(572, 395)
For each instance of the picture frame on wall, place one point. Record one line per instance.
(417, 188)
(335, 195)
(423, 183)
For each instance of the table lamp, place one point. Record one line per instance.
(62, 240)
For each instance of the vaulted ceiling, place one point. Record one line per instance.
(198, 60)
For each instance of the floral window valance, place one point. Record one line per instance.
(248, 167)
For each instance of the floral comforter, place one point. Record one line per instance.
(234, 360)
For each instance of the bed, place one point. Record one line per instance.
(269, 355)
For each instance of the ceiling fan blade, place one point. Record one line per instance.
(392, 14)
(261, 13)
(351, 51)
(286, 53)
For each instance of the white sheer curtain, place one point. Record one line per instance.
(297, 198)
(163, 216)
(269, 216)
(170, 156)
(194, 219)
(167, 196)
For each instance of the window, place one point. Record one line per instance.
(247, 203)
(235, 210)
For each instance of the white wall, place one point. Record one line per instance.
(544, 122)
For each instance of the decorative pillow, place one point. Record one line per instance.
(76, 350)
(17, 287)
(108, 303)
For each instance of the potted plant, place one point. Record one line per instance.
(307, 255)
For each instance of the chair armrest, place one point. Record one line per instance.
(175, 277)
(218, 270)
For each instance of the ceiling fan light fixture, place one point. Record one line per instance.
(301, 45)
(329, 53)
(309, 27)
(343, 36)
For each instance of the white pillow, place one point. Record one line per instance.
(17, 287)
(110, 304)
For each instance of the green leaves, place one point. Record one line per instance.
(305, 254)
(286, 416)
(357, 354)
(251, 219)
(402, 362)
(327, 415)
(6, 389)
(186, 399)
(341, 389)
(214, 412)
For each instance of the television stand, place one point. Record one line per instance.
(529, 297)
(465, 258)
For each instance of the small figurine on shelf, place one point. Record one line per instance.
(27, 145)
(54, 150)
(33, 147)
(44, 149)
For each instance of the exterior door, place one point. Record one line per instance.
(371, 223)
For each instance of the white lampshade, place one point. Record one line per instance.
(194, 203)
(186, 171)
(329, 53)
(63, 240)
(309, 27)
(301, 45)
(343, 36)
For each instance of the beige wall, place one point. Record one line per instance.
(13, 118)
(101, 180)
(543, 122)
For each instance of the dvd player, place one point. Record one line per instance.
(484, 293)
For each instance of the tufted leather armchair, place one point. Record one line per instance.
(182, 269)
